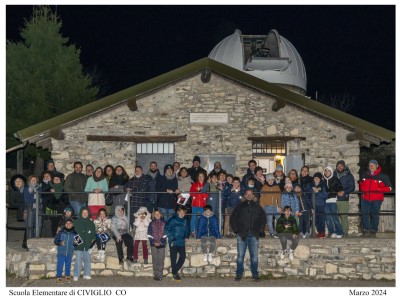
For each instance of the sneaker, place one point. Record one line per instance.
(90, 250)
(210, 257)
(157, 278)
(133, 260)
(273, 236)
(339, 236)
(68, 279)
(373, 234)
(121, 262)
(301, 236)
(262, 235)
(282, 254)
(205, 258)
(306, 236)
(87, 277)
(366, 234)
(238, 277)
(176, 277)
(76, 278)
(334, 236)
(291, 255)
(59, 281)
(146, 262)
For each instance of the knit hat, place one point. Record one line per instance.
(279, 167)
(289, 184)
(168, 166)
(341, 162)
(67, 209)
(317, 175)
(196, 158)
(269, 176)
(373, 162)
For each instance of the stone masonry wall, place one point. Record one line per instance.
(167, 111)
(314, 259)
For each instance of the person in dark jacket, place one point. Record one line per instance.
(51, 167)
(152, 176)
(232, 197)
(196, 168)
(250, 172)
(334, 188)
(373, 183)
(305, 178)
(217, 169)
(158, 239)
(76, 182)
(208, 231)
(247, 222)
(168, 184)
(86, 230)
(343, 173)
(65, 250)
(17, 184)
(178, 232)
(287, 229)
(137, 184)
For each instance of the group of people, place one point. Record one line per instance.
(184, 202)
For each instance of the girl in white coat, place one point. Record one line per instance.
(142, 221)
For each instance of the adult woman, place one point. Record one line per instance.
(98, 185)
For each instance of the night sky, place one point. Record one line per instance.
(345, 49)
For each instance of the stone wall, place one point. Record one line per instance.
(314, 259)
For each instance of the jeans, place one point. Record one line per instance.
(77, 206)
(78, 263)
(193, 221)
(271, 211)
(370, 214)
(61, 260)
(173, 253)
(283, 237)
(167, 213)
(304, 225)
(320, 218)
(128, 241)
(332, 221)
(213, 244)
(343, 207)
(252, 243)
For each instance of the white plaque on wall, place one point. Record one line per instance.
(209, 118)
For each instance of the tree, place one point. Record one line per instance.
(343, 102)
(44, 76)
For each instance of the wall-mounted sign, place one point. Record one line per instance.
(209, 118)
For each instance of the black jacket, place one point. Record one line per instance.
(248, 216)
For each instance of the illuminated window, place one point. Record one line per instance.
(269, 148)
(155, 148)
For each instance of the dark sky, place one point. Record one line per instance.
(345, 49)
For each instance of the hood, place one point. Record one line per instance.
(116, 212)
(331, 169)
(14, 177)
(142, 210)
(204, 214)
(80, 213)
(378, 171)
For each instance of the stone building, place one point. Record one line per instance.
(217, 111)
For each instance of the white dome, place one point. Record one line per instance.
(269, 57)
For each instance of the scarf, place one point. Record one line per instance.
(58, 188)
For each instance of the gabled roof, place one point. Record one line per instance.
(364, 131)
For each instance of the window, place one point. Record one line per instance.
(155, 148)
(269, 148)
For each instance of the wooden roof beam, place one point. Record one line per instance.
(278, 105)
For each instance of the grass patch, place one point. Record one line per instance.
(10, 275)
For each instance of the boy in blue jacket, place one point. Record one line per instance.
(65, 250)
(208, 230)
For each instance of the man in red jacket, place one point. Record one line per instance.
(373, 183)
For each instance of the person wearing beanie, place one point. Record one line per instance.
(64, 241)
(319, 189)
(196, 168)
(208, 231)
(373, 184)
(167, 184)
(280, 177)
(51, 167)
(342, 172)
(334, 188)
(68, 214)
(289, 198)
(270, 201)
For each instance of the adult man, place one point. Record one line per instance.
(89, 170)
(280, 176)
(247, 222)
(177, 167)
(50, 167)
(250, 172)
(217, 169)
(196, 168)
(342, 172)
(137, 184)
(152, 176)
(373, 183)
(76, 182)
(167, 185)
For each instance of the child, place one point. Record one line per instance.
(142, 222)
(286, 228)
(208, 230)
(318, 187)
(119, 227)
(85, 228)
(212, 187)
(103, 225)
(289, 198)
(68, 214)
(178, 232)
(158, 240)
(65, 250)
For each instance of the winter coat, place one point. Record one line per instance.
(208, 226)
(248, 175)
(17, 195)
(198, 199)
(248, 216)
(137, 185)
(118, 198)
(347, 180)
(119, 225)
(151, 186)
(290, 199)
(321, 196)
(166, 200)
(193, 172)
(141, 225)
(56, 204)
(377, 182)
(156, 232)
(213, 196)
(96, 199)
(66, 236)
(270, 199)
(118, 180)
(333, 186)
(282, 221)
(85, 228)
(232, 198)
(102, 226)
(184, 184)
(178, 229)
(305, 181)
(30, 195)
(76, 182)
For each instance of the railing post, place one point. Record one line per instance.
(28, 221)
(220, 210)
(313, 215)
(128, 212)
(38, 224)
